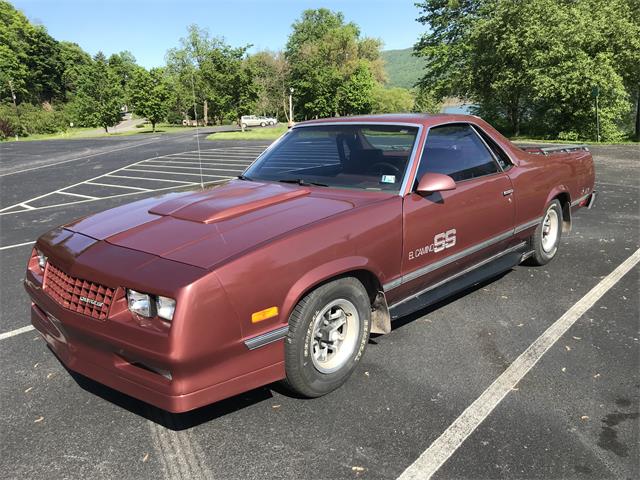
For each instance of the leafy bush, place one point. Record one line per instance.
(7, 129)
(569, 136)
(31, 119)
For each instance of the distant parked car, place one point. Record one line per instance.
(252, 121)
(255, 121)
(269, 120)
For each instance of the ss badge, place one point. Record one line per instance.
(444, 240)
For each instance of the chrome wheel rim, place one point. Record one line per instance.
(550, 230)
(335, 335)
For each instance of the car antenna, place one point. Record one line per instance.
(195, 113)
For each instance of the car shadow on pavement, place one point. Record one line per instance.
(402, 321)
(173, 421)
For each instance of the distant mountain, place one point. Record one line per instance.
(403, 69)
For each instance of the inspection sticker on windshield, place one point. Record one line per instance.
(388, 179)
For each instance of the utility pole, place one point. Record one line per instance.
(595, 93)
(290, 107)
(15, 105)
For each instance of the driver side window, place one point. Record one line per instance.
(457, 151)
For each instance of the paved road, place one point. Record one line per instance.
(573, 415)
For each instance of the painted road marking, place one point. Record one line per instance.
(15, 332)
(233, 163)
(80, 196)
(446, 445)
(174, 173)
(118, 186)
(80, 158)
(146, 165)
(164, 165)
(153, 180)
(7, 247)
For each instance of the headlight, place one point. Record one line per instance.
(139, 303)
(150, 306)
(165, 307)
(42, 259)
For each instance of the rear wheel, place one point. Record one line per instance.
(546, 238)
(262, 124)
(244, 125)
(328, 333)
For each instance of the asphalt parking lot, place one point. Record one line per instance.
(574, 414)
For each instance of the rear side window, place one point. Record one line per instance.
(502, 158)
(457, 151)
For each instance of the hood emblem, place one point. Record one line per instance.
(91, 301)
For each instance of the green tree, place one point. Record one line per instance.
(73, 59)
(30, 57)
(531, 65)
(149, 95)
(355, 94)
(270, 76)
(123, 65)
(332, 69)
(392, 100)
(99, 98)
(211, 70)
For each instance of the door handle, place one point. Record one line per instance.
(507, 192)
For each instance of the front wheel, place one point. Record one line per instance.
(263, 124)
(328, 333)
(546, 238)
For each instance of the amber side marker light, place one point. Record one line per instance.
(264, 314)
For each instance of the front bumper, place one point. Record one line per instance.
(142, 363)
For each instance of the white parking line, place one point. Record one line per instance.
(243, 158)
(78, 195)
(446, 445)
(152, 179)
(15, 332)
(181, 162)
(79, 158)
(7, 247)
(24, 206)
(172, 173)
(190, 168)
(119, 186)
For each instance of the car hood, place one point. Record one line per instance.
(208, 227)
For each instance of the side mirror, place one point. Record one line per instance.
(435, 182)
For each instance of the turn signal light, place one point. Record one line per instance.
(264, 314)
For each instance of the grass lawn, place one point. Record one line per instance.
(254, 133)
(90, 132)
(569, 142)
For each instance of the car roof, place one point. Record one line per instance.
(425, 119)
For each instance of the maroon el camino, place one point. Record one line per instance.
(337, 228)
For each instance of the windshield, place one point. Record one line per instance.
(368, 157)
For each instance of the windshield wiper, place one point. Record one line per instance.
(303, 182)
(244, 177)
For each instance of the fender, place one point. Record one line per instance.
(335, 268)
(566, 208)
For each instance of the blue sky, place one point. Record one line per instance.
(148, 28)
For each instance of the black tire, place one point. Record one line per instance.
(263, 124)
(542, 255)
(303, 374)
(244, 125)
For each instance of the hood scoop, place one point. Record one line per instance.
(233, 199)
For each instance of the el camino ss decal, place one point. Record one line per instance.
(441, 242)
